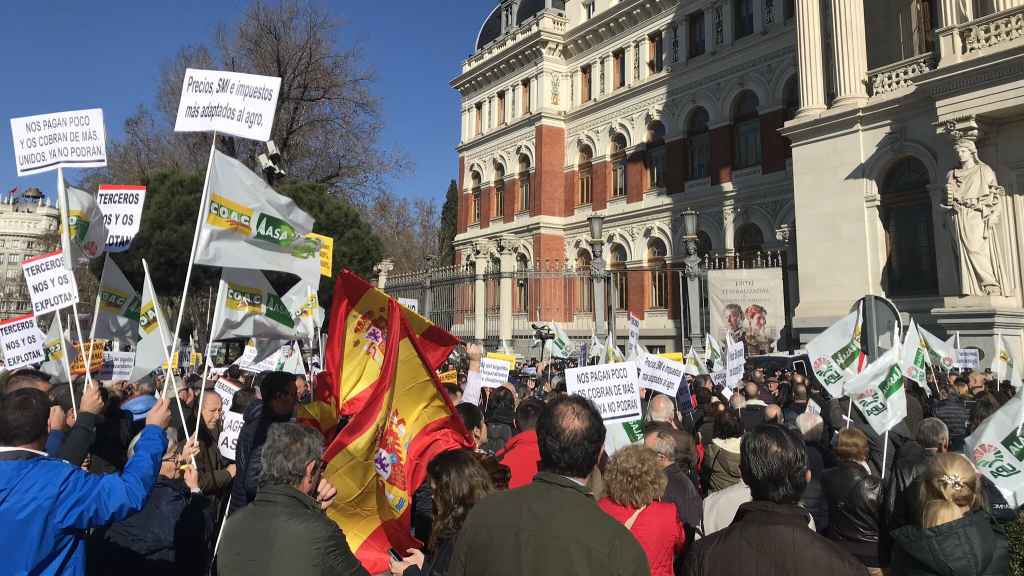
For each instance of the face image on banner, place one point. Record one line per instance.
(747, 306)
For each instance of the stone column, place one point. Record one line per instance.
(1000, 5)
(684, 40)
(728, 30)
(480, 293)
(851, 53)
(506, 245)
(729, 227)
(811, 71)
(710, 39)
(383, 269)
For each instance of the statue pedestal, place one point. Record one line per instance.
(981, 303)
(980, 323)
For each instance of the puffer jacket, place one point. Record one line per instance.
(974, 545)
(722, 464)
(854, 508)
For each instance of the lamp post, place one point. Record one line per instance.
(597, 274)
(692, 271)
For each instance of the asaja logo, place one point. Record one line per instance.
(112, 300)
(228, 215)
(243, 299)
(148, 319)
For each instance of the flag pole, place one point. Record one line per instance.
(206, 367)
(170, 366)
(192, 256)
(65, 240)
(885, 453)
(67, 365)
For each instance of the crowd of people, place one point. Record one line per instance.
(772, 478)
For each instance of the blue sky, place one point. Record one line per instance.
(66, 55)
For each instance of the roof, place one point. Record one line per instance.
(491, 29)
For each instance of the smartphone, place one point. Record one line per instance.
(394, 554)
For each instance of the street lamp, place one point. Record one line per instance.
(692, 271)
(690, 224)
(597, 274)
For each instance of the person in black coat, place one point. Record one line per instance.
(854, 499)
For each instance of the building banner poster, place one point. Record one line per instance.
(747, 306)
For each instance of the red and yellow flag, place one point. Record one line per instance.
(404, 419)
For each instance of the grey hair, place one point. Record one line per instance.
(664, 443)
(287, 451)
(172, 443)
(661, 409)
(146, 387)
(737, 401)
(810, 425)
(932, 433)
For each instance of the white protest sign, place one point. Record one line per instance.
(735, 362)
(968, 359)
(121, 364)
(493, 372)
(410, 303)
(634, 335)
(242, 105)
(472, 392)
(228, 440)
(122, 213)
(661, 374)
(23, 343)
(226, 390)
(719, 379)
(613, 388)
(50, 283)
(49, 141)
(813, 407)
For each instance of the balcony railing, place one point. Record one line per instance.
(993, 30)
(899, 75)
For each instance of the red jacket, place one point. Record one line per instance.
(522, 456)
(657, 529)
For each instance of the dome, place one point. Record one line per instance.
(491, 29)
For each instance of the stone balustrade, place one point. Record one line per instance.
(999, 28)
(899, 75)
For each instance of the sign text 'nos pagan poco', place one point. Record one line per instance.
(50, 141)
(613, 388)
(51, 284)
(22, 341)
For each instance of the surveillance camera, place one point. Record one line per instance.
(273, 152)
(265, 164)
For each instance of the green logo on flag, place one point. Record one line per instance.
(274, 230)
(848, 354)
(278, 312)
(892, 383)
(132, 311)
(634, 430)
(1015, 444)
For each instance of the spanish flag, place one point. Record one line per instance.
(381, 361)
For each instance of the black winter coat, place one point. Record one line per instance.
(248, 450)
(436, 563)
(974, 545)
(854, 510)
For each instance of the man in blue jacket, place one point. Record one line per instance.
(47, 505)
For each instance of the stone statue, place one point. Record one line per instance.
(975, 202)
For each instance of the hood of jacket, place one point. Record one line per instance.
(139, 406)
(728, 444)
(966, 547)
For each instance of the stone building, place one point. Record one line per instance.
(29, 226)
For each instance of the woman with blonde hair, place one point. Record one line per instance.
(633, 484)
(955, 534)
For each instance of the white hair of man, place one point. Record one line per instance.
(737, 401)
(810, 425)
(662, 409)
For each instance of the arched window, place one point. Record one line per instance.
(655, 156)
(524, 184)
(748, 131)
(499, 191)
(586, 191)
(618, 166)
(656, 255)
(699, 144)
(619, 276)
(749, 243)
(522, 284)
(584, 285)
(474, 199)
(791, 98)
(906, 214)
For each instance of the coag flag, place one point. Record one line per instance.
(942, 354)
(713, 353)
(56, 346)
(1004, 363)
(120, 305)
(879, 393)
(304, 304)
(997, 449)
(694, 365)
(150, 353)
(357, 334)
(914, 359)
(86, 227)
(380, 457)
(249, 225)
(248, 307)
(836, 355)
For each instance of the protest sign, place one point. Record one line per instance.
(410, 303)
(661, 375)
(121, 364)
(614, 389)
(90, 352)
(233, 103)
(634, 336)
(51, 284)
(747, 305)
(49, 141)
(997, 449)
(506, 357)
(968, 359)
(813, 407)
(879, 393)
(735, 363)
(121, 207)
(449, 377)
(228, 440)
(226, 390)
(493, 372)
(22, 341)
(327, 254)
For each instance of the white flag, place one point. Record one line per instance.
(997, 450)
(560, 346)
(879, 393)
(694, 365)
(304, 304)
(56, 346)
(248, 307)
(249, 225)
(596, 348)
(713, 353)
(914, 358)
(1005, 364)
(612, 353)
(836, 354)
(86, 227)
(942, 354)
(120, 305)
(150, 353)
